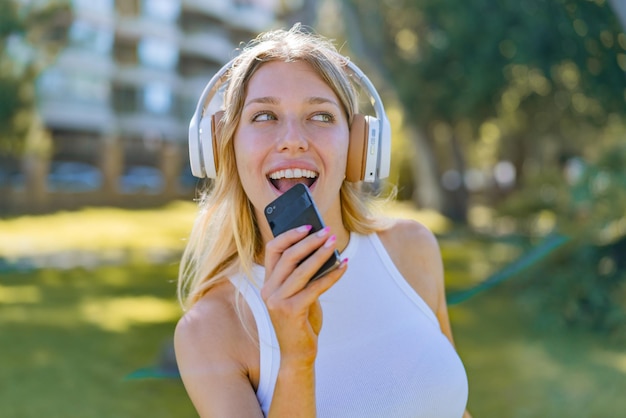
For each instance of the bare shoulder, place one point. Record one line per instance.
(415, 252)
(407, 237)
(213, 327)
(208, 321)
(215, 356)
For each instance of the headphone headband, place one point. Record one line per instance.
(377, 149)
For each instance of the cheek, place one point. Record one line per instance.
(341, 153)
(248, 159)
(242, 151)
(241, 161)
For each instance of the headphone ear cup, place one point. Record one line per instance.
(357, 149)
(216, 129)
(195, 153)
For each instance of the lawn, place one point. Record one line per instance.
(96, 303)
(71, 338)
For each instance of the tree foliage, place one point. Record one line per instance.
(457, 61)
(541, 83)
(31, 34)
(505, 79)
(586, 200)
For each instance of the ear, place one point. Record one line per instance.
(355, 168)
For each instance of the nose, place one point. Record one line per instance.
(293, 137)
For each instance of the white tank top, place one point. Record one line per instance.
(381, 352)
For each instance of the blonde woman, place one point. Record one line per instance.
(371, 338)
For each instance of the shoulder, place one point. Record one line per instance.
(406, 237)
(209, 328)
(215, 356)
(415, 252)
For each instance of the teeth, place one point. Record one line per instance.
(293, 174)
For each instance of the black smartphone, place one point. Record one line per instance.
(295, 208)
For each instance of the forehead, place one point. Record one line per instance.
(275, 78)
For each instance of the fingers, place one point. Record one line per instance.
(321, 285)
(292, 301)
(276, 247)
(285, 303)
(288, 270)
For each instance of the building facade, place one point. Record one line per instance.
(118, 100)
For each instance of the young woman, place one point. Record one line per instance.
(371, 338)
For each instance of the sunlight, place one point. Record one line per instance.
(20, 294)
(616, 361)
(97, 229)
(433, 220)
(119, 314)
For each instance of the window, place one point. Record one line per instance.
(164, 10)
(75, 86)
(125, 51)
(88, 36)
(124, 99)
(158, 53)
(100, 7)
(157, 98)
(128, 8)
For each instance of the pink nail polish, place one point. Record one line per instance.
(323, 232)
(330, 241)
(304, 228)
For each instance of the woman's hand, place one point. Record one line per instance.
(290, 297)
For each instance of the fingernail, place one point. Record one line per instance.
(324, 231)
(343, 262)
(330, 241)
(304, 228)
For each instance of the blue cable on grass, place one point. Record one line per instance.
(547, 246)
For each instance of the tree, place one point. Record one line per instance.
(582, 284)
(31, 34)
(521, 76)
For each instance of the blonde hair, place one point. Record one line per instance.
(225, 238)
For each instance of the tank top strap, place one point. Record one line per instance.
(268, 346)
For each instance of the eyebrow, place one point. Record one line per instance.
(274, 101)
(262, 100)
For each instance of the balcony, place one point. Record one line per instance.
(85, 61)
(140, 27)
(144, 124)
(249, 17)
(139, 75)
(213, 46)
(73, 115)
(215, 9)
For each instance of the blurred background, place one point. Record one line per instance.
(509, 142)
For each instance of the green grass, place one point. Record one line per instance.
(518, 369)
(70, 338)
(97, 229)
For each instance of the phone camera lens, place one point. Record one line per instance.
(269, 210)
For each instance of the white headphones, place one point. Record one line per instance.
(369, 150)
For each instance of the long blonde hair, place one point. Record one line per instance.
(225, 238)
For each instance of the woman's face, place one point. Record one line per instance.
(293, 129)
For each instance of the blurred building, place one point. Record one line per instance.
(118, 100)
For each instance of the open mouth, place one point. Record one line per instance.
(283, 180)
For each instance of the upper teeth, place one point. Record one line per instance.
(293, 174)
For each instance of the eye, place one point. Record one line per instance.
(263, 116)
(324, 117)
